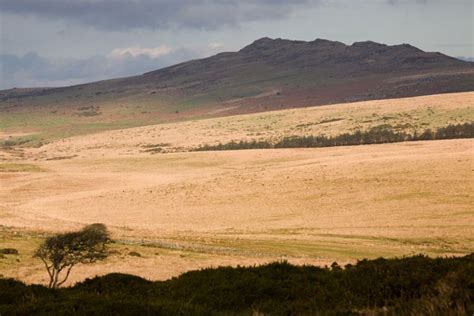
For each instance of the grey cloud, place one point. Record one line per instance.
(155, 14)
(32, 70)
(395, 2)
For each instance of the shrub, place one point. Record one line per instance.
(9, 251)
(408, 286)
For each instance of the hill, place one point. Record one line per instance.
(407, 115)
(266, 75)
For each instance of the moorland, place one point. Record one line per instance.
(123, 152)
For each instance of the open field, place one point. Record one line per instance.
(187, 210)
(183, 211)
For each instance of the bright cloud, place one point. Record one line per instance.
(215, 46)
(154, 52)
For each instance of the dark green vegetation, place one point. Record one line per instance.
(377, 135)
(409, 286)
(268, 74)
(8, 251)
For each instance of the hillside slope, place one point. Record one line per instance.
(403, 115)
(268, 74)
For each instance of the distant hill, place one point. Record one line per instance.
(317, 72)
(265, 75)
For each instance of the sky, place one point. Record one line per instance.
(65, 42)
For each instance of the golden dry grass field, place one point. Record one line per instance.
(407, 114)
(186, 210)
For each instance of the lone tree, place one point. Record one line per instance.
(62, 252)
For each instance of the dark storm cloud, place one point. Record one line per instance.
(155, 14)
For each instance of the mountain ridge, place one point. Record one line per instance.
(266, 46)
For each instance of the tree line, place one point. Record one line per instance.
(375, 135)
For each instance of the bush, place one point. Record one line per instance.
(9, 251)
(414, 285)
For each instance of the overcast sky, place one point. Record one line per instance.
(63, 42)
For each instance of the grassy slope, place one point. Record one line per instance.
(62, 115)
(406, 114)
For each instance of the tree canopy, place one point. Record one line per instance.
(60, 253)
